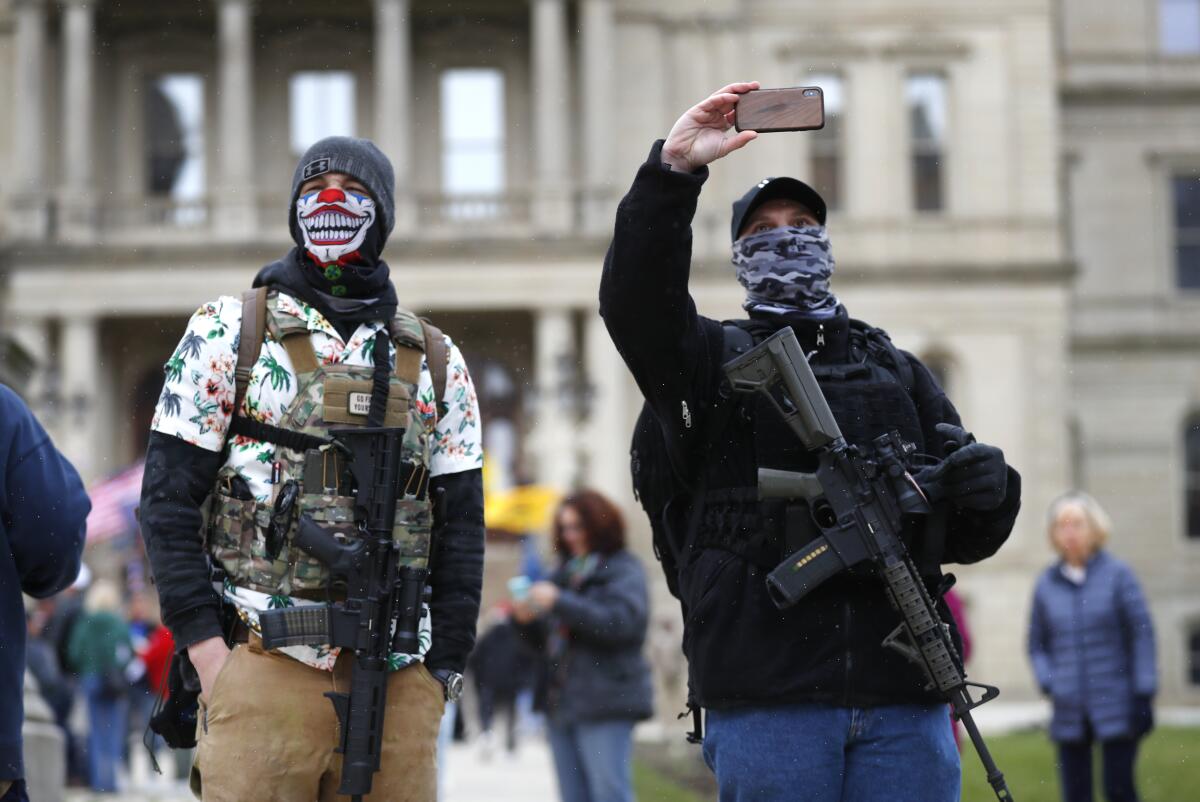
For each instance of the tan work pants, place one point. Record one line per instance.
(267, 733)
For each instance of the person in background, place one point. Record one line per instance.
(100, 652)
(589, 620)
(501, 666)
(959, 613)
(65, 609)
(42, 663)
(1091, 642)
(43, 514)
(142, 626)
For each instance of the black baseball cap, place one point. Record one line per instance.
(770, 189)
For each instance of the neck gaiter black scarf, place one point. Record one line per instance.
(368, 292)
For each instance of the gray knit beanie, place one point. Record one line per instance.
(357, 157)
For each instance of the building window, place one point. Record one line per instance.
(827, 142)
(320, 104)
(1185, 191)
(175, 138)
(1191, 447)
(1194, 655)
(926, 93)
(473, 139)
(1179, 27)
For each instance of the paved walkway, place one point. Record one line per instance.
(527, 776)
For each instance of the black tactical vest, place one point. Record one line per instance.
(868, 385)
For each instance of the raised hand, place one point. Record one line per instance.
(701, 135)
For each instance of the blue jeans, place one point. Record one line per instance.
(108, 728)
(592, 759)
(822, 753)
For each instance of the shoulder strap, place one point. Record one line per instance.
(736, 340)
(254, 324)
(880, 346)
(300, 351)
(436, 355)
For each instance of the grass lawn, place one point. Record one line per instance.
(1168, 767)
(651, 785)
(1168, 770)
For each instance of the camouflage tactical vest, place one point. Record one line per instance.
(327, 396)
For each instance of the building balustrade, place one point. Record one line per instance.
(439, 215)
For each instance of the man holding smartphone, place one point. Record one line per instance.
(802, 703)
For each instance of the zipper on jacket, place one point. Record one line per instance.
(820, 334)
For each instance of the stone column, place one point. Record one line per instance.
(234, 203)
(393, 99)
(876, 138)
(599, 50)
(33, 337)
(77, 199)
(553, 437)
(79, 365)
(29, 216)
(552, 212)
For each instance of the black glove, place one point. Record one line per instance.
(175, 717)
(974, 475)
(1143, 715)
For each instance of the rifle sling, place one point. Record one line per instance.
(266, 433)
(254, 321)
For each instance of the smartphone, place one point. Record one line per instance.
(797, 108)
(518, 587)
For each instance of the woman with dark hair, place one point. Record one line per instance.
(589, 620)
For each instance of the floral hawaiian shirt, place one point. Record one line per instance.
(196, 405)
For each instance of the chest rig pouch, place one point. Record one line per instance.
(869, 394)
(251, 538)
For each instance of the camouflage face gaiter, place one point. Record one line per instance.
(786, 270)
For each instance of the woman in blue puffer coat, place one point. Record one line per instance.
(1091, 642)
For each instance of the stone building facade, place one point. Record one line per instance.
(1130, 105)
(970, 221)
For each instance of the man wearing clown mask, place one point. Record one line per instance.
(254, 384)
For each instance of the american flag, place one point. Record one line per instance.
(113, 503)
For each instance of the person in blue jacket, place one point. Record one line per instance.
(589, 620)
(1091, 642)
(43, 509)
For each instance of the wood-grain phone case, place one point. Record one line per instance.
(799, 108)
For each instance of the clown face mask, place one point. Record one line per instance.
(334, 224)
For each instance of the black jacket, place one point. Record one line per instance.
(742, 650)
(180, 475)
(593, 644)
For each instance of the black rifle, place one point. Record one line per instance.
(382, 597)
(858, 500)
